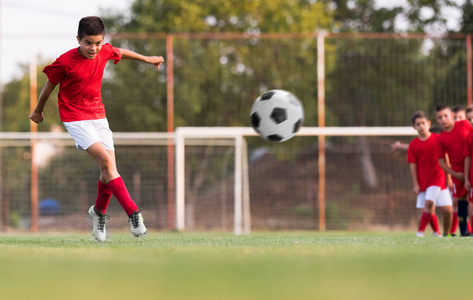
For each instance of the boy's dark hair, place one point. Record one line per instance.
(90, 26)
(457, 108)
(469, 109)
(419, 114)
(441, 107)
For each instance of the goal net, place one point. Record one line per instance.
(226, 179)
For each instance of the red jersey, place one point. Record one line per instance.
(453, 144)
(80, 82)
(468, 150)
(424, 154)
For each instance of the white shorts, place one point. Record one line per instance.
(88, 132)
(435, 194)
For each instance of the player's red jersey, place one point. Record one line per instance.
(453, 143)
(424, 155)
(468, 151)
(80, 82)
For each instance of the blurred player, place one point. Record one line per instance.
(79, 73)
(467, 153)
(459, 113)
(468, 169)
(469, 114)
(428, 178)
(452, 142)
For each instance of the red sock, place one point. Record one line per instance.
(103, 197)
(434, 223)
(118, 188)
(424, 221)
(454, 223)
(468, 227)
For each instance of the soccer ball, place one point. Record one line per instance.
(277, 115)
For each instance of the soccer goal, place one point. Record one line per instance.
(226, 179)
(236, 137)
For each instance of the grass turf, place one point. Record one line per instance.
(290, 265)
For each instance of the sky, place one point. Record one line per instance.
(50, 27)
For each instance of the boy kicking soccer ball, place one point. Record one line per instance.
(428, 178)
(79, 72)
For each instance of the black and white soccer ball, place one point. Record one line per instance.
(277, 115)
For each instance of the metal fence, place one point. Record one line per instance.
(212, 80)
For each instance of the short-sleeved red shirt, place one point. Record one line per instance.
(80, 81)
(424, 155)
(468, 151)
(453, 143)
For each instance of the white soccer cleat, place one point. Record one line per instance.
(137, 226)
(436, 234)
(99, 230)
(420, 234)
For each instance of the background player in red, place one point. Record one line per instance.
(467, 153)
(468, 169)
(79, 73)
(469, 113)
(459, 112)
(428, 178)
(451, 142)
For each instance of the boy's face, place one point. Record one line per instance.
(90, 45)
(469, 117)
(445, 118)
(459, 116)
(422, 125)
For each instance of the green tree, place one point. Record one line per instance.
(16, 103)
(370, 16)
(466, 21)
(370, 70)
(381, 82)
(216, 81)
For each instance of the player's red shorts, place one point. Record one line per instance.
(458, 188)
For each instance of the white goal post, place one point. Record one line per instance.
(235, 136)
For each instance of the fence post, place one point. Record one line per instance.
(468, 69)
(170, 127)
(321, 123)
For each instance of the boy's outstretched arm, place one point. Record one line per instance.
(37, 115)
(443, 164)
(399, 146)
(155, 60)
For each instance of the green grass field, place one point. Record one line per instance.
(289, 265)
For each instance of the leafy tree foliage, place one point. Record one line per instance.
(388, 100)
(466, 21)
(16, 103)
(371, 16)
(216, 81)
